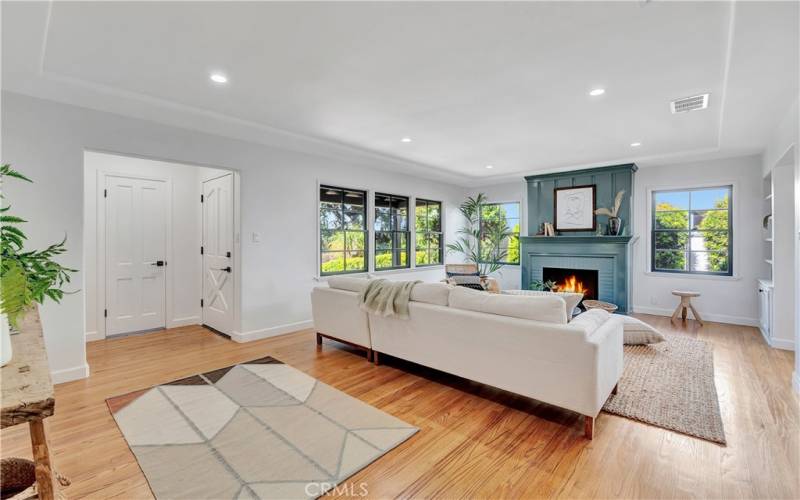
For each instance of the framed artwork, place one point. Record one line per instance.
(573, 208)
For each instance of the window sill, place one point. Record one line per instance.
(401, 270)
(431, 267)
(708, 277)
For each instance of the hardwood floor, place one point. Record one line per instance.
(475, 441)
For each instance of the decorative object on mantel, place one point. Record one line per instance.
(614, 221)
(548, 229)
(573, 208)
(481, 246)
(27, 276)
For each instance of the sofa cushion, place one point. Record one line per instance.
(348, 283)
(637, 332)
(571, 298)
(431, 293)
(590, 320)
(550, 309)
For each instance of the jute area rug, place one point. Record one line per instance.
(260, 429)
(671, 385)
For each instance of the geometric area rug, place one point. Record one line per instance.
(671, 385)
(259, 429)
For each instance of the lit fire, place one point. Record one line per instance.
(571, 284)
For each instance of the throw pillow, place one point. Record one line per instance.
(571, 298)
(591, 320)
(467, 280)
(450, 275)
(637, 332)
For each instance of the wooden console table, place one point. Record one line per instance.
(27, 396)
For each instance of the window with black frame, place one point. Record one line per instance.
(391, 232)
(692, 231)
(342, 230)
(428, 221)
(499, 219)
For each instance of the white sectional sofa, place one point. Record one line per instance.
(521, 344)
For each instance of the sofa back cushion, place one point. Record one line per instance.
(590, 320)
(348, 283)
(431, 293)
(571, 298)
(550, 309)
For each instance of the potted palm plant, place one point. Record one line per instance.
(481, 241)
(27, 276)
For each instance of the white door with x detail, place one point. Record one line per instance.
(218, 262)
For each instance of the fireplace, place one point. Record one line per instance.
(573, 280)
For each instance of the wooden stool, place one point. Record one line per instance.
(686, 303)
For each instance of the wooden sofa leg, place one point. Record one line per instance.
(375, 358)
(615, 389)
(369, 354)
(319, 339)
(588, 427)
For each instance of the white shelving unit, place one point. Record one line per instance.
(765, 285)
(767, 233)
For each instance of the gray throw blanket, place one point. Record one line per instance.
(387, 298)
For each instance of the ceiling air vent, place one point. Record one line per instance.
(685, 104)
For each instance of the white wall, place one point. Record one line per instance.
(47, 140)
(723, 299)
(183, 259)
(785, 143)
(509, 277)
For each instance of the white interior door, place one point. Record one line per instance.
(136, 226)
(218, 253)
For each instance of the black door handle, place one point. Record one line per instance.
(159, 263)
(226, 269)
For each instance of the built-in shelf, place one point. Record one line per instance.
(768, 239)
(768, 261)
(768, 197)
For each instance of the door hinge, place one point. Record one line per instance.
(105, 313)
(201, 250)
(201, 302)
(201, 198)
(105, 193)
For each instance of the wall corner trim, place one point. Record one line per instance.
(92, 336)
(272, 331)
(796, 382)
(70, 374)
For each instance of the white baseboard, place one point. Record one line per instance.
(69, 374)
(271, 331)
(787, 345)
(92, 336)
(188, 320)
(796, 382)
(718, 318)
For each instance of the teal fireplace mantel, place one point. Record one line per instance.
(610, 256)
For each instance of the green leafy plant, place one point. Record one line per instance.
(27, 276)
(544, 286)
(481, 242)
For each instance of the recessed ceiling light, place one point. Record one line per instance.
(490, 167)
(597, 92)
(636, 144)
(218, 78)
(405, 139)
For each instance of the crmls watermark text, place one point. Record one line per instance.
(346, 489)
